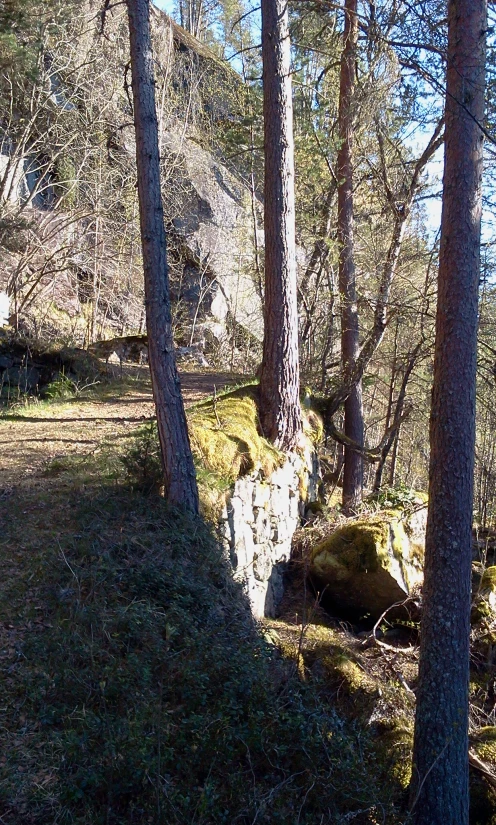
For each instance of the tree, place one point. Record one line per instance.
(280, 411)
(353, 408)
(177, 460)
(439, 789)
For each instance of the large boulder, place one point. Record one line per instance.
(369, 564)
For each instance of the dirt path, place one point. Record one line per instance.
(31, 437)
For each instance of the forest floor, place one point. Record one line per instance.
(91, 730)
(70, 530)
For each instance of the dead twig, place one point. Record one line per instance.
(482, 767)
(373, 640)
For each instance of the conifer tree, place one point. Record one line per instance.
(177, 460)
(280, 412)
(439, 788)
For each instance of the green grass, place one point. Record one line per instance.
(134, 685)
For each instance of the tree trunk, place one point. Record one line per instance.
(439, 789)
(280, 412)
(393, 430)
(179, 472)
(353, 408)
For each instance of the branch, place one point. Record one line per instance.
(108, 6)
(372, 454)
(376, 334)
(482, 767)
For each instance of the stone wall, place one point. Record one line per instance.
(258, 524)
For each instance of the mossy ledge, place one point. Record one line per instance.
(225, 437)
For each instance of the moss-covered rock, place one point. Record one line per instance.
(225, 438)
(369, 564)
(482, 794)
(484, 595)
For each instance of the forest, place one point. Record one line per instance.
(247, 399)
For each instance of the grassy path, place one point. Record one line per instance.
(34, 436)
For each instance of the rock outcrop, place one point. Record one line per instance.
(75, 269)
(372, 563)
(212, 246)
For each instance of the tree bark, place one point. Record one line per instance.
(353, 407)
(179, 472)
(439, 788)
(280, 412)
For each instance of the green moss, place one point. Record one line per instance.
(340, 666)
(480, 612)
(399, 539)
(363, 546)
(354, 677)
(313, 426)
(488, 580)
(225, 438)
(482, 795)
(484, 744)
(395, 749)
(303, 485)
(357, 547)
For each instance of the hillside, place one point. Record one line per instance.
(247, 414)
(69, 235)
(128, 655)
(135, 686)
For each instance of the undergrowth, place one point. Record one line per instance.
(136, 688)
(139, 690)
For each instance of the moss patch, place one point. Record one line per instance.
(356, 547)
(225, 436)
(350, 672)
(395, 747)
(488, 580)
(484, 744)
(225, 439)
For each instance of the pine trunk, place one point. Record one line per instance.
(179, 472)
(439, 790)
(280, 412)
(353, 407)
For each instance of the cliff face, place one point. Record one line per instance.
(214, 226)
(69, 241)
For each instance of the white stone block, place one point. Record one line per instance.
(261, 494)
(284, 476)
(4, 309)
(262, 528)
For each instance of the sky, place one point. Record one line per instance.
(165, 5)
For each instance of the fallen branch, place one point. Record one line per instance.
(373, 640)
